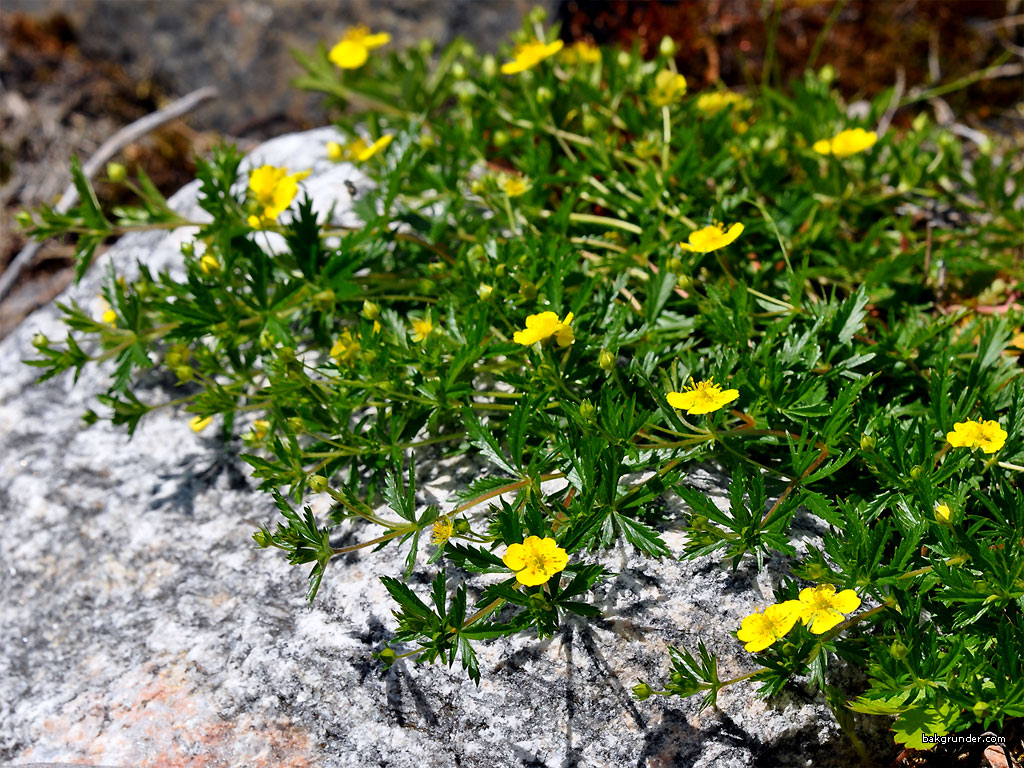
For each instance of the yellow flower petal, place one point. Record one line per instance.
(544, 325)
(529, 55)
(377, 40)
(535, 560)
(823, 147)
(669, 86)
(515, 557)
(713, 103)
(846, 143)
(987, 435)
(760, 630)
(365, 154)
(823, 609)
(349, 54)
(198, 424)
(712, 238)
(702, 397)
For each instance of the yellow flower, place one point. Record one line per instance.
(668, 87)
(535, 560)
(345, 348)
(107, 314)
(529, 55)
(543, 326)
(987, 435)
(198, 423)
(846, 143)
(822, 608)
(943, 513)
(208, 264)
(514, 186)
(260, 428)
(713, 103)
(1017, 342)
(441, 530)
(759, 630)
(712, 238)
(421, 329)
(358, 151)
(354, 48)
(581, 52)
(273, 189)
(702, 397)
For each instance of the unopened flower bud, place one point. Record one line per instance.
(588, 411)
(184, 373)
(262, 538)
(40, 340)
(867, 442)
(545, 95)
(537, 15)
(484, 291)
(188, 248)
(827, 74)
(537, 601)
(208, 264)
(814, 572)
(667, 46)
(606, 360)
(764, 382)
(499, 271)
(489, 66)
(324, 300)
(371, 311)
(459, 70)
(296, 424)
(591, 122)
(24, 219)
(642, 691)
(916, 471)
(898, 650)
(500, 138)
(462, 526)
(528, 290)
(318, 483)
(387, 656)
(624, 59)
(116, 172)
(981, 709)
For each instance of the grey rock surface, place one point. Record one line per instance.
(140, 627)
(242, 46)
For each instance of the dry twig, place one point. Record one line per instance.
(108, 150)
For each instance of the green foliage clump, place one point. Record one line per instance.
(846, 315)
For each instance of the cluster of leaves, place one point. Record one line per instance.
(842, 315)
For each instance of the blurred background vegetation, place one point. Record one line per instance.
(74, 71)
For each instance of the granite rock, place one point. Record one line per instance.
(140, 626)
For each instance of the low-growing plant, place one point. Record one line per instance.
(542, 280)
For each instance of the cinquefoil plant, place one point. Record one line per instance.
(575, 269)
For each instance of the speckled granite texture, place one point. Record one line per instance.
(126, 643)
